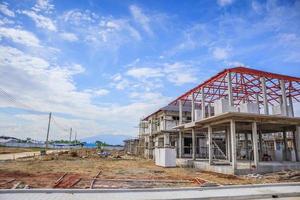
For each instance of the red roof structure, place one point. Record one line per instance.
(246, 85)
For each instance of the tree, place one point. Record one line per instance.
(100, 144)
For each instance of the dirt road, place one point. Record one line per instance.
(13, 156)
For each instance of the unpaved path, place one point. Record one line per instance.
(13, 156)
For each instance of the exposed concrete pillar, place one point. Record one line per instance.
(291, 106)
(265, 98)
(193, 144)
(257, 101)
(284, 99)
(150, 143)
(180, 144)
(229, 89)
(193, 108)
(228, 144)
(295, 145)
(254, 144)
(233, 144)
(203, 102)
(285, 146)
(210, 146)
(297, 141)
(246, 144)
(166, 139)
(180, 111)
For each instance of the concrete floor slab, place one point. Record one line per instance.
(227, 192)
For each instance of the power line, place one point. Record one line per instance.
(13, 100)
(29, 108)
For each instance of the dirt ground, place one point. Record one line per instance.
(6, 150)
(116, 171)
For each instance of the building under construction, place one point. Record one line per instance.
(239, 121)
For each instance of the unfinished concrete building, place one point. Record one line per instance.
(157, 130)
(241, 121)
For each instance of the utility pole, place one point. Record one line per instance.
(48, 130)
(70, 139)
(75, 137)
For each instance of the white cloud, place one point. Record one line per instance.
(20, 36)
(43, 5)
(98, 92)
(224, 2)
(288, 38)
(177, 73)
(13, 57)
(48, 87)
(101, 92)
(144, 72)
(78, 17)
(256, 7)
(141, 18)
(180, 73)
(221, 53)
(71, 37)
(150, 97)
(106, 33)
(4, 9)
(41, 21)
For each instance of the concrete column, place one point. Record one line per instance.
(203, 102)
(150, 143)
(295, 145)
(180, 144)
(228, 144)
(265, 98)
(257, 101)
(297, 141)
(210, 146)
(230, 96)
(166, 139)
(180, 111)
(254, 144)
(246, 144)
(285, 146)
(292, 106)
(284, 99)
(233, 144)
(193, 144)
(193, 108)
(260, 145)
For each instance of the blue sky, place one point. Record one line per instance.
(100, 66)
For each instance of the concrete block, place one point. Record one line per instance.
(222, 106)
(198, 114)
(278, 110)
(249, 108)
(165, 157)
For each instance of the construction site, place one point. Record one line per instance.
(84, 169)
(236, 128)
(240, 121)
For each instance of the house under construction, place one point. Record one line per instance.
(239, 121)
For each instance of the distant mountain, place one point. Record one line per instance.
(109, 139)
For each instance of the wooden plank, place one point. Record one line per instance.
(16, 185)
(58, 181)
(94, 179)
(75, 182)
(9, 181)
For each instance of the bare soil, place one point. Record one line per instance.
(43, 172)
(7, 150)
